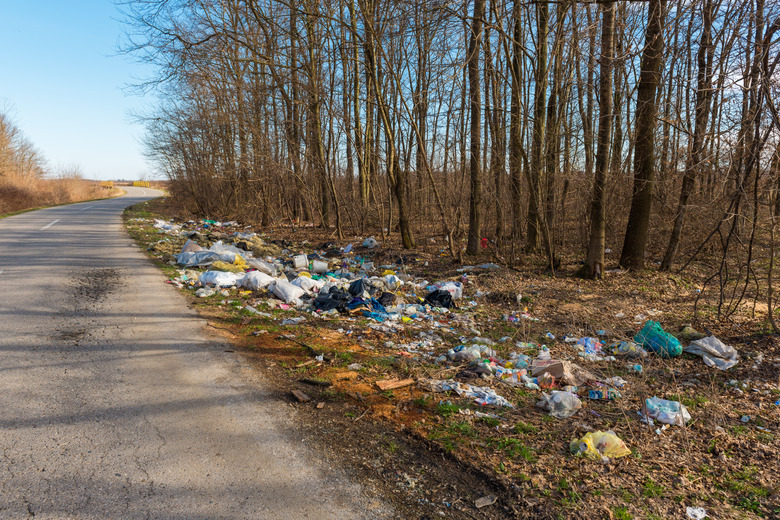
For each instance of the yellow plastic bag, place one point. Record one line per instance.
(240, 262)
(219, 265)
(596, 445)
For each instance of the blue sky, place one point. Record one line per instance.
(62, 83)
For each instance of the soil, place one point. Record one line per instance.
(433, 456)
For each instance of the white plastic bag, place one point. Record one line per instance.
(287, 292)
(220, 278)
(307, 284)
(262, 266)
(714, 352)
(560, 404)
(255, 280)
(454, 288)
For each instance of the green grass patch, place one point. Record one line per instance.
(515, 449)
(446, 409)
(652, 489)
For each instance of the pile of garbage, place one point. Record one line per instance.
(343, 282)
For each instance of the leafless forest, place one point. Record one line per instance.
(548, 128)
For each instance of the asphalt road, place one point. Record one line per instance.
(115, 401)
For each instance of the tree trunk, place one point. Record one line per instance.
(475, 200)
(537, 143)
(594, 263)
(703, 98)
(633, 255)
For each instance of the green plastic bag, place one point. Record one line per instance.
(654, 338)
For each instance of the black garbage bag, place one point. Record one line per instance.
(334, 299)
(440, 298)
(386, 299)
(358, 287)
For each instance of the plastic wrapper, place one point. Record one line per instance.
(629, 349)
(482, 395)
(597, 445)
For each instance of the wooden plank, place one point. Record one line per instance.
(300, 396)
(392, 384)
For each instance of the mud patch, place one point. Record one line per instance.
(87, 290)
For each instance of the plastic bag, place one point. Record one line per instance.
(191, 246)
(440, 298)
(332, 298)
(198, 258)
(256, 280)
(370, 243)
(560, 404)
(597, 445)
(219, 265)
(714, 352)
(629, 349)
(667, 412)
(262, 266)
(287, 292)
(307, 284)
(454, 288)
(220, 278)
(362, 286)
(228, 253)
(654, 338)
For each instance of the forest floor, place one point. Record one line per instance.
(440, 455)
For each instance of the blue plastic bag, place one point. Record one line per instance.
(654, 338)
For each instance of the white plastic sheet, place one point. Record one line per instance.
(714, 352)
(199, 258)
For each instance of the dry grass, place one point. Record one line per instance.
(20, 193)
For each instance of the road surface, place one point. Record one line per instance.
(116, 403)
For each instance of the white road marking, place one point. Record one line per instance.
(50, 224)
(82, 209)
